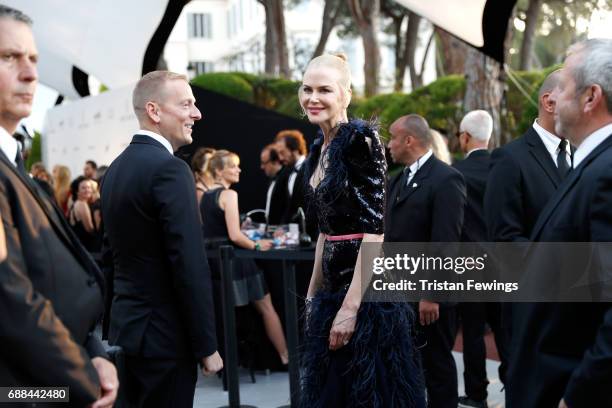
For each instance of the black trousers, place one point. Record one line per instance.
(474, 317)
(438, 362)
(163, 383)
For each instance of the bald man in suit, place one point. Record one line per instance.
(563, 352)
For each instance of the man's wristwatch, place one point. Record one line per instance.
(257, 246)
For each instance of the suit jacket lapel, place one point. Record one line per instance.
(46, 206)
(417, 180)
(566, 186)
(393, 189)
(542, 156)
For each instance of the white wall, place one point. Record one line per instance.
(97, 128)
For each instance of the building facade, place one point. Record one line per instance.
(229, 35)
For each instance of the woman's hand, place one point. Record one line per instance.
(429, 312)
(265, 244)
(342, 328)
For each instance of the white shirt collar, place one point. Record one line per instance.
(551, 141)
(157, 137)
(414, 167)
(591, 142)
(299, 162)
(8, 144)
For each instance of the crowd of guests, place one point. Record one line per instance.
(553, 184)
(78, 199)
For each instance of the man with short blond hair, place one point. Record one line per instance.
(162, 313)
(150, 88)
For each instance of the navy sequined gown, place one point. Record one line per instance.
(380, 366)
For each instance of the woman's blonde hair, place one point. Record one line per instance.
(219, 160)
(199, 164)
(439, 147)
(61, 183)
(339, 62)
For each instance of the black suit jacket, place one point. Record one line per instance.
(279, 199)
(50, 295)
(162, 305)
(430, 209)
(475, 170)
(296, 198)
(523, 177)
(565, 349)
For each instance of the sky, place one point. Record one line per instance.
(597, 27)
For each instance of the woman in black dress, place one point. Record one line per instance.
(221, 220)
(80, 215)
(354, 354)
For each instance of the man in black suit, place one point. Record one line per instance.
(564, 356)
(474, 134)
(426, 204)
(524, 174)
(162, 312)
(3, 251)
(276, 194)
(291, 147)
(50, 289)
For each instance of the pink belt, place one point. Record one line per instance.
(344, 237)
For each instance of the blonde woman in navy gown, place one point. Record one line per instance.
(354, 354)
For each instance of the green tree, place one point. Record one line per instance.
(35, 154)
(276, 51)
(549, 28)
(366, 17)
(405, 43)
(332, 13)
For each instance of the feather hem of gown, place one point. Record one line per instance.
(382, 330)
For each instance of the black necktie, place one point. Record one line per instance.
(404, 180)
(19, 162)
(562, 165)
